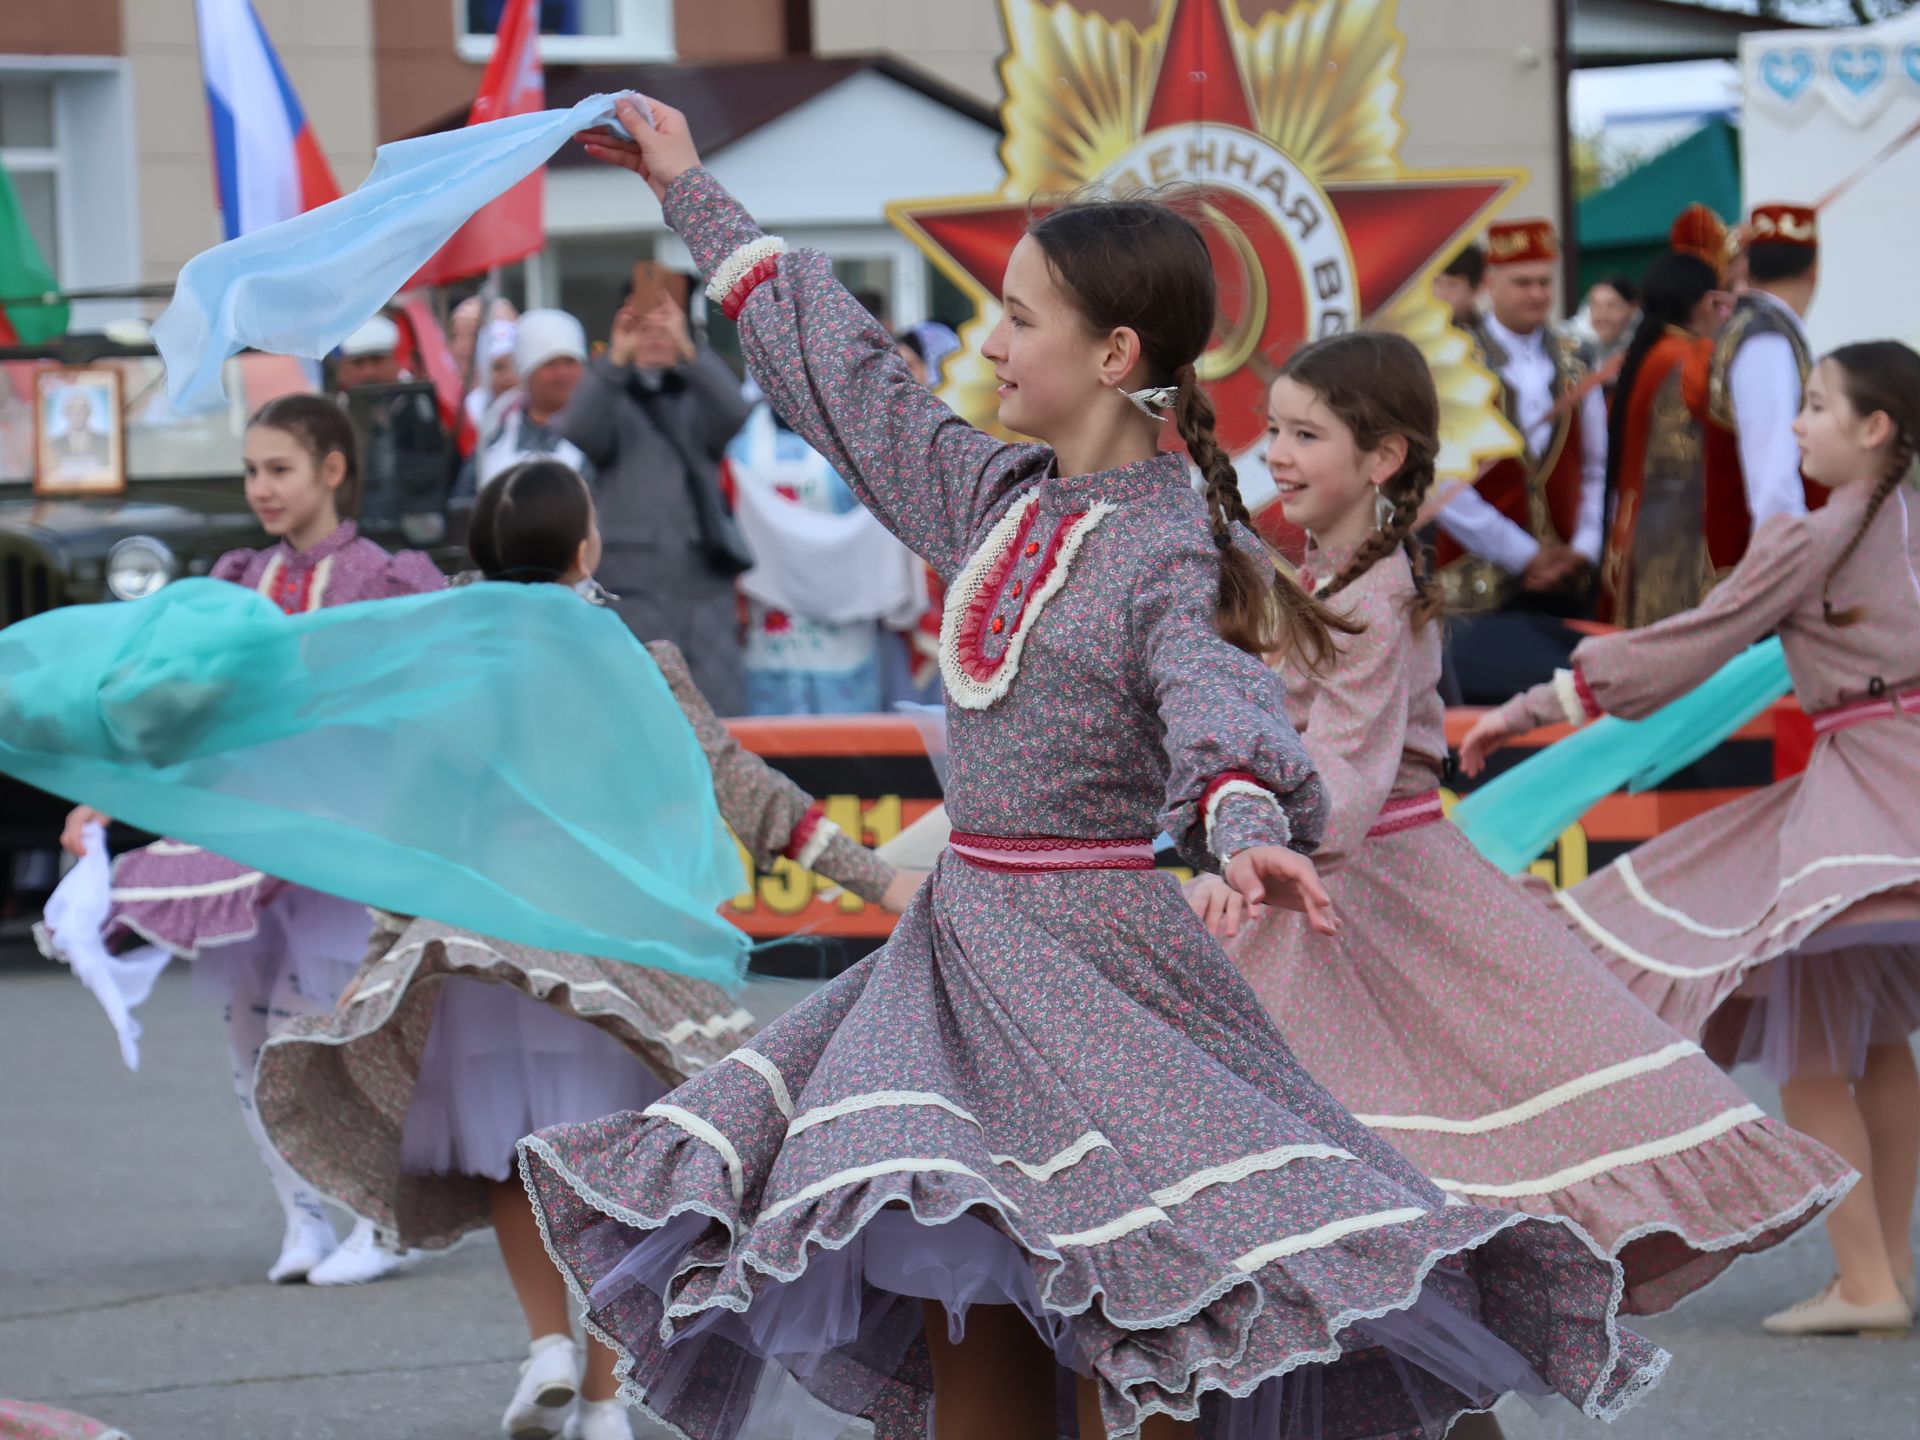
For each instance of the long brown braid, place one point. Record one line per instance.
(1377, 384)
(1141, 265)
(1880, 376)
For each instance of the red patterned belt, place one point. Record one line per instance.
(1880, 707)
(1038, 854)
(1407, 813)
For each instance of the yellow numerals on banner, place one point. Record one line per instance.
(787, 889)
(1566, 864)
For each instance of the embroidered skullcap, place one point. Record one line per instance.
(1780, 224)
(1521, 242)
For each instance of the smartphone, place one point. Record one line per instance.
(653, 283)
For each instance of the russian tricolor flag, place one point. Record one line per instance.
(267, 165)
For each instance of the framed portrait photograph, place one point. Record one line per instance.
(80, 438)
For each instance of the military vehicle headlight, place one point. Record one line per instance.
(138, 566)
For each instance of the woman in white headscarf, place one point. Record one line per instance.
(549, 356)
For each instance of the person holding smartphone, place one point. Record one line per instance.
(653, 416)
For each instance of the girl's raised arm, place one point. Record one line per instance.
(828, 367)
(1632, 673)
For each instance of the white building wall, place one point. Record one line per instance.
(327, 48)
(76, 168)
(879, 141)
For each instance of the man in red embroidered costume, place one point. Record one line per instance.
(1762, 357)
(1518, 549)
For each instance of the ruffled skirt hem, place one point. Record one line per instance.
(406, 1121)
(838, 1315)
(1686, 978)
(1524, 1074)
(1678, 1222)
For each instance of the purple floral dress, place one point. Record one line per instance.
(183, 898)
(1050, 1089)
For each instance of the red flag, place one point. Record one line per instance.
(512, 227)
(424, 351)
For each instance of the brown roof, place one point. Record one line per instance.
(728, 101)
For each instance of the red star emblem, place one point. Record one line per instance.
(1303, 244)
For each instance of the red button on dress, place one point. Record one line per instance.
(1033, 547)
(1018, 586)
(999, 624)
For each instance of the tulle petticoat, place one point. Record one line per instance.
(337, 1092)
(1819, 1010)
(499, 1065)
(868, 1295)
(315, 941)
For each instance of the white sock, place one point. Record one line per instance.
(249, 1018)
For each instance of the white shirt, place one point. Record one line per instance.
(1764, 384)
(1471, 519)
(503, 444)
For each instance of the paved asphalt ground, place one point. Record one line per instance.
(136, 1229)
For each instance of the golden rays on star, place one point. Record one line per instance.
(1320, 82)
(1077, 91)
(1325, 83)
(1472, 428)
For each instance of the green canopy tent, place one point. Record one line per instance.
(1621, 228)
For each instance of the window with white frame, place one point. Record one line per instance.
(66, 144)
(574, 30)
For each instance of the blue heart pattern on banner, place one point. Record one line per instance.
(1910, 57)
(1787, 72)
(1858, 67)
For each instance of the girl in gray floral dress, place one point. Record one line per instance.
(1042, 1164)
